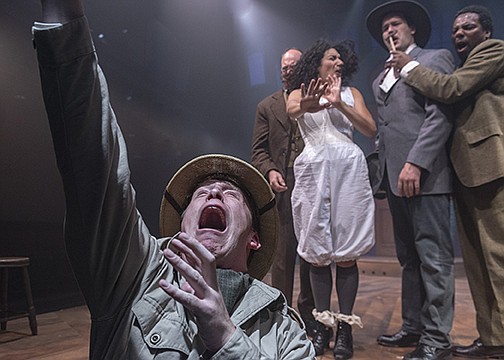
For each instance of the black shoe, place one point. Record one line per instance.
(399, 339)
(343, 345)
(479, 351)
(321, 338)
(426, 352)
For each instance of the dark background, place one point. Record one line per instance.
(185, 77)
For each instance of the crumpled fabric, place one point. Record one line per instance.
(330, 319)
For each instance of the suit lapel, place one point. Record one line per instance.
(415, 52)
(278, 109)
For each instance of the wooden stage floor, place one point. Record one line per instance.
(64, 334)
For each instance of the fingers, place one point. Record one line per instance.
(315, 88)
(313, 84)
(196, 247)
(331, 80)
(277, 182)
(278, 187)
(200, 293)
(309, 91)
(310, 99)
(399, 59)
(400, 190)
(184, 297)
(186, 254)
(194, 262)
(334, 79)
(408, 187)
(334, 83)
(192, 276)
(322, 89)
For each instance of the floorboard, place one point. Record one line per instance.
(64, 334)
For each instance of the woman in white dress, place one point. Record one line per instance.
(332, 201)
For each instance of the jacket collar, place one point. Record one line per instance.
(258, 297)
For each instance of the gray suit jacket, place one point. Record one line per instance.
(415, 129)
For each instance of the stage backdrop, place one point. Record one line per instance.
(185, 77)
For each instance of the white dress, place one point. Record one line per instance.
(332, 201)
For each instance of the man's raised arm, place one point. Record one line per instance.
(61, 11)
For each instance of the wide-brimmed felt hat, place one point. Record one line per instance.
(413, 11)
(247, 178)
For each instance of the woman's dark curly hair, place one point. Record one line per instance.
(307, 67)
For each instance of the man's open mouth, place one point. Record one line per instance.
(213, 217)
(460, 45)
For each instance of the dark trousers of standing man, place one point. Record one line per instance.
(283, 268)
(425, 251)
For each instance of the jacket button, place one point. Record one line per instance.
(155, 338)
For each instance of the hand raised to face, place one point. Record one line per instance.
(333, 90)
(399, 59)
(200, 293)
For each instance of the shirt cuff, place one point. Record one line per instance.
(64, 43)
(39, 26)
(408, 67)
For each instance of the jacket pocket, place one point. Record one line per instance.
(162, 326)
(480, 134)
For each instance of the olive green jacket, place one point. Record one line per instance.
(116, 261)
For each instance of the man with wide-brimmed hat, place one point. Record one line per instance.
(195, 294)
(416, 173)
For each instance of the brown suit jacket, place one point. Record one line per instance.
(477, 91)
(271, 137)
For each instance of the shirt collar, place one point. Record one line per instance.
(410, 48)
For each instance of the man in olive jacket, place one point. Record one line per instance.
(476, 90)
(195, 294)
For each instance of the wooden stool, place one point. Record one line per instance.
(5, 314)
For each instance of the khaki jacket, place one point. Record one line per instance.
(116, 261)
(477, 91)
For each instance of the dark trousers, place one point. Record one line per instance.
(425, 251)
(283, 268)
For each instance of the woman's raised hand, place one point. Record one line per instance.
(333, 90)
(310, 98)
